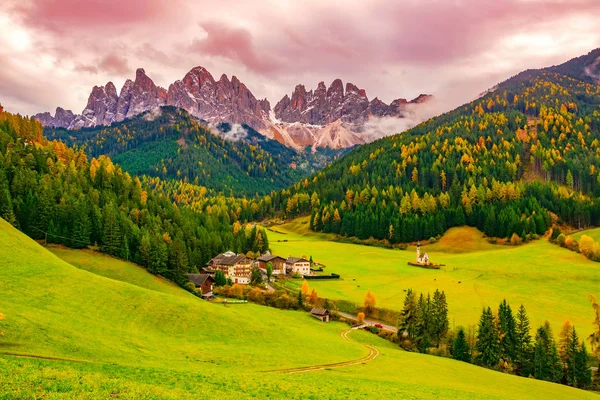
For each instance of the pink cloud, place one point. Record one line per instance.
(114, 64)
(62, 16)
(235, 44)
(391, 48)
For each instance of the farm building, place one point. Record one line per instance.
(297, 265)
(236, 267)
(320, 313)
(204, 282)
(278, 263)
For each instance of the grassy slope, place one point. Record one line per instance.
(593, 233)
(113, 268)
(54, 309)
(552, 283)
(140, 343)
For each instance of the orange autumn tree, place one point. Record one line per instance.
(360, 318)
(1, 319)
(305, 288)
(313, 297)
(369, 303)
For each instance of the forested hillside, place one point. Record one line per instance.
(171, 144)
(51, 191)
(502, 163)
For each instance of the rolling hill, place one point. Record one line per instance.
(88, 336)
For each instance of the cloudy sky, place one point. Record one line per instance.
(53, 51)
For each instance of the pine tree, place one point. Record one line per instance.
(488, 341)
(220, 279)
(160, 255)
(460, 347)
(583, 374)
(422, 335)
(256, 276)
(506, 330)
(269, 271)
(81, 225)
(546, 360)
(178, 262)
(439, 317)
(145, 250)
(112, 238)
(569, 357)
(523, 350)
(408, 315)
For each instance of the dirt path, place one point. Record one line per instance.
(49, 358)
(373, 354)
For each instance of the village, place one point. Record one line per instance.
(237, 269)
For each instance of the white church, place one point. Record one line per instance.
(422, 260)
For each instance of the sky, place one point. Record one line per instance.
(52, 52)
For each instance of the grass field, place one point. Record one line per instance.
(109, 267)
(593, 233)
(112, 337)
(553, 283)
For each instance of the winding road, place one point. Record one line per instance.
(373, 354)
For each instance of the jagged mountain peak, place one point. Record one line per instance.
(345, 107)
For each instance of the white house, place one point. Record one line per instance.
(297, 265)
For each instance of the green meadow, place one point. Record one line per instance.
(106, 329)
(593, 233)
(553, 283)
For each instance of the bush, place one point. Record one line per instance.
(372, 329)
(432, 240)
(561, 240)
(285, 302)
(515, 240)
(257, 296)
(555, 234)
(572, 244)
(190, 287)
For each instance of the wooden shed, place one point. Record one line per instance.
(320, 313)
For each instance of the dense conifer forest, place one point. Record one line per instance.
(54, 193)
(510, 163)
(171, 144)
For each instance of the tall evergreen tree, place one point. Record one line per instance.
(460, 347)
(112, 238)
(583, 373)
(408, 315)
(488, 341)
(423, 325)
(506, 330)
(439, 317)
(523, 349)
(81, 225)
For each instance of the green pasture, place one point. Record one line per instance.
(98, 331)
(553, 283)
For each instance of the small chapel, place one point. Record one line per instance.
(422, 259)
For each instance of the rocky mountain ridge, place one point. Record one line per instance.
(326, 117)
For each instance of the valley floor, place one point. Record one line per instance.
(553, 283)
(125, 335)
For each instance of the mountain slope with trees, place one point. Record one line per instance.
(504, 163)
(52, 192)
(171, 144)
